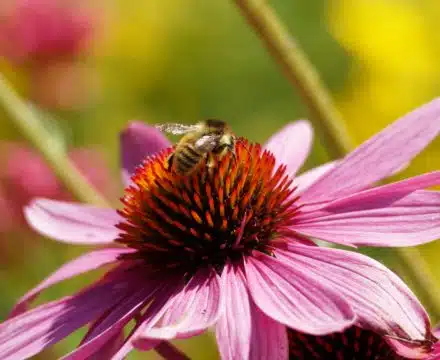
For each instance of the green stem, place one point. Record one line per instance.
(34, 131)
(300, 73)
(303, 76)
(169, 351)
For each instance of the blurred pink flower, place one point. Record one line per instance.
(25, 175)
(230, 246)
(42, 30)
(47, 39)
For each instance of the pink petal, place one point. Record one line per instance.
(381, 301)
(29, 333)
(111, 325)
(379, 156)
(156, 309)
(291, 145)
(294, 298)
(110, 348)
(72, 223)
(84, 263)
(306, 179)
(192, 310)
(410, 349)
(390, 215)
(269, 338)
(382, 196)
(436, 331)
(138, 141)
(233, 330)
(127, 347)
(435, 355)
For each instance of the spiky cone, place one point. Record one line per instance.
(229, 209)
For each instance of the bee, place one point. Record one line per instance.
(199, 142)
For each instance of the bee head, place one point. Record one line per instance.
(215, 126)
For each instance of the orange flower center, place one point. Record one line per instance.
(223, 210)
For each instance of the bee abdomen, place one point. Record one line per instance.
(187, 159)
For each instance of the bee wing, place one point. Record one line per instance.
(206, 142)
(176, 129)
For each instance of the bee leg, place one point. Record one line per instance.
(170, 161)
(210, 161)
(232, 150)
(228, 148)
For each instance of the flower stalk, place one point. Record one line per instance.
(303, 76)
(34, 131)
(170, 352)
(299, 72)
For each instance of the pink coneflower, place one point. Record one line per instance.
(230, 246)
(42, 30)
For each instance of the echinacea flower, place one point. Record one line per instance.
(43, 30)
(230, 245)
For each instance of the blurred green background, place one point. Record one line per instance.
(91, 67)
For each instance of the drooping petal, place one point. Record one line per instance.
(192, 310)
(110, 348)
(72, 223)
(111, 324)
(125, 349)
(381, 301)
(139, 141)
(290, 296)
(411, 349)
(291, 145)
(379, 156)
(89, 261)
(233, 330)
(309, 177)
(269, 337)
(29, 333)
(390, 215)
